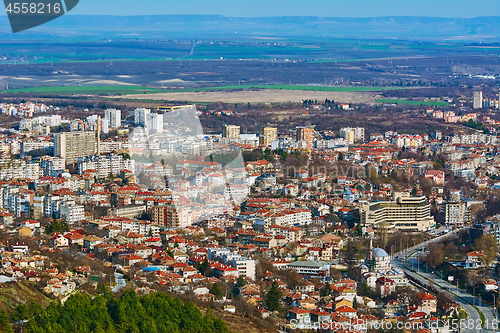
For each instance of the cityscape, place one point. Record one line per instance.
(250, 174)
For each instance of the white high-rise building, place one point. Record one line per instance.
(114, 117)
(140, 116)
(105, 126)
(353, 134)
(154, 122)
(478, 99)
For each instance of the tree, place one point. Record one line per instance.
(215, 290)
(273, 298)
(488, 245)
(60, 226)
(4, 323)
(327, 290)
(355, 303)
(240, 282)
(359, 230)
(204, 266)
(382, 234)
(436, 254)
(341, 156)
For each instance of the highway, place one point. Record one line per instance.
(463, 298)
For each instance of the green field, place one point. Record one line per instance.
(408, 102)
(69, 90)
(114, 90)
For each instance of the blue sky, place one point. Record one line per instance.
(334, 8)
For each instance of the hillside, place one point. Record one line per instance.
(14, 294)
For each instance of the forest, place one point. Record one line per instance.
(155, 312)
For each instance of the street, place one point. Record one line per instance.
(463, 298)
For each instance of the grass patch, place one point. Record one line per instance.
(480, 315)
(408, 102)
(115, 90)
(71, 90)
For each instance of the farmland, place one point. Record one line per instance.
(409, 102)
(75, 90)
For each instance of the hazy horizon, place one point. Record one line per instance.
(278, 8)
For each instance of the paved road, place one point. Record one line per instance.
(463, 298)
(120, 282)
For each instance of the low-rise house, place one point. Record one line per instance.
(299, 315)
(429, 303)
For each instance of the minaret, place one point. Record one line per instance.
(369, 255)
(98, 129)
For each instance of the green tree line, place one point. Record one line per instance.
(155, 312)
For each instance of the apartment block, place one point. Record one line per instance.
(71, 145)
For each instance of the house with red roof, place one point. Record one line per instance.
(347, 311)
(429, 303)
(384, 286)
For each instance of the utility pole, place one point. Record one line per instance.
(494, 307)
(418, 263)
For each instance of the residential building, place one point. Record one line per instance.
(456, 213)
(478, 99)
(140, 116)
(353, 134)
(231, 132)
(114, 117)
(306, 134)
(268, 135)
(71, 145)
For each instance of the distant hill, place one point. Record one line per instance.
(210, 26)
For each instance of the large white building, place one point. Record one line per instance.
(404, 212)
(244, 265)
(104, 165)
(154, 122)
(114, 117)
(140, 116)
(72, 212)
(353, 134)
(478, 99)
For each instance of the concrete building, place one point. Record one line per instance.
(478, 99)
(353, 134)
(404, 212)
(231, 132)
(114, 117)
(309, 269)
(154, 122)
(72, 212)
(456, 213)
(140, 116)
(306, 134)
(268, 135)
(71, 145)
